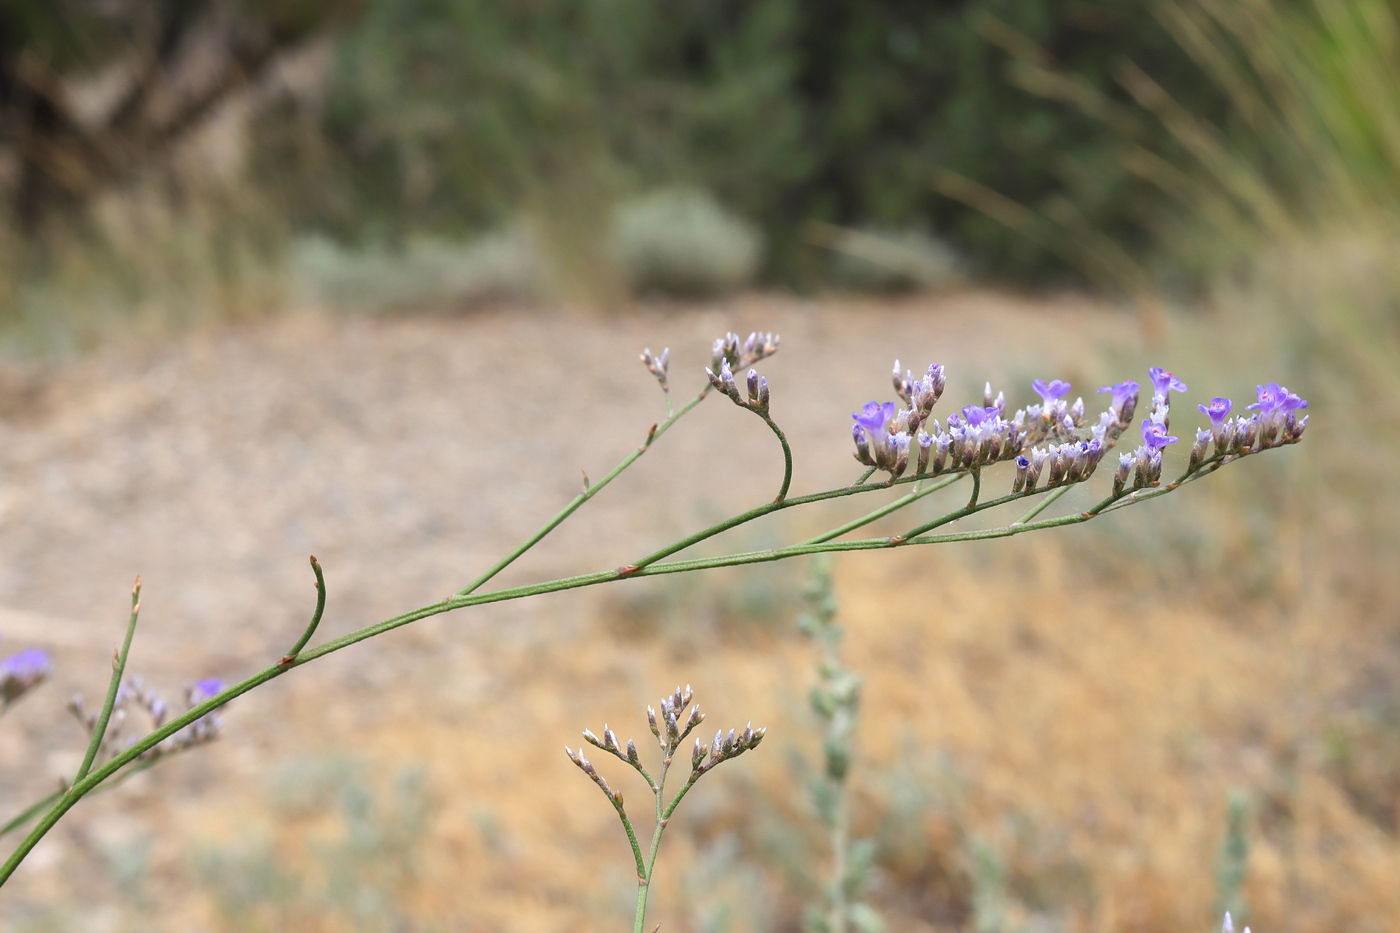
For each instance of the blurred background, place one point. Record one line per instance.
(280, 278)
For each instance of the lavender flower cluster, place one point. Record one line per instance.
(730, 354)
(1052, 443)
(22, 672)
(134, 694)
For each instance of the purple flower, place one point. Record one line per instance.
(1164, 382)
(976, 414)
(874, 416)
(26, 663)
(206, 689)
(1217, 411)
(22, 671)
(1122, 393)
(1269, 398)
(1155, 436)
(1056, 388)
(1274, 397)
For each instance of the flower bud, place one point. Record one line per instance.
(1120, 476)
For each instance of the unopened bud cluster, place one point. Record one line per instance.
(671, 725)
(730, 354)
(1052, 443)
(133, 694)
(757, 386)
(22, 672)
(658, 365)
(740, 353)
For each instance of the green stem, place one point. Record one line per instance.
(758, 512)
(631, 835)
(645, 875)
(588, 493)
(99, 730)
(1042, 505)
(884, 510)
(31, 811)
(787, 458)
(315, 616)
(680, 795)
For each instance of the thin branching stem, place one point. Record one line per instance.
(644, 876)
(40, 806)
(631, 835)
(315, 616)
(884, 510)
(787, 458)
(91, 780)
(1042, 505)
(99, 729)
(588, 492)
(757, 512)
(32, 811)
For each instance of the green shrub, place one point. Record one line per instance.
(682, 241)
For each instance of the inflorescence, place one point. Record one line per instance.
(1052, 443)
(670, 732)
(671, 727)
(728, 355)
(134, 694)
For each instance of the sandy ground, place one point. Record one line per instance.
(407, 454)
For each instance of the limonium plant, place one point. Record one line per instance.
(1001, 454)
(671, 727)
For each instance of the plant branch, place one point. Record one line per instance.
(315, 616)
(589, 492)
(787, 457)
(91, 780)
(1041, 505)
(884, 510)
(99, 730)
